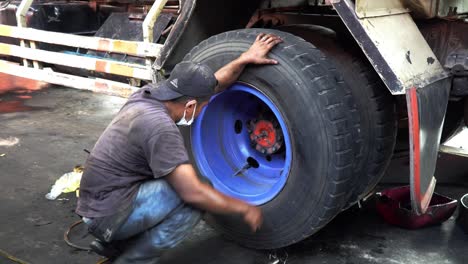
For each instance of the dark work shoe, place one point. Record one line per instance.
(104, 249)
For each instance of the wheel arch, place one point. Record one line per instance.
(194, 26)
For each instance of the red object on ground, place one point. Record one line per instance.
(394, 205)
(19, 86)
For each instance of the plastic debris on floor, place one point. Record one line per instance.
(394, 205)
(9, 142)
(69, 182)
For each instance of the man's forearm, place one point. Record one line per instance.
(212, 201)
(228, 74)
(191, 190)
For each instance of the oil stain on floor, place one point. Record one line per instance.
(15, 91)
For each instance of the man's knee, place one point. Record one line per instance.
(184, 218)
(193, 215)
(176, 227)
(150, 244)
(156, 190)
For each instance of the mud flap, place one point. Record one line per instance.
(407, 65)
(426, 111)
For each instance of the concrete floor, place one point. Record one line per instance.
(48, 130)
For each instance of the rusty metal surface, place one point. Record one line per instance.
(150, 20)
(457, 62)
(446, 38)
(422, 8)
(277, 17)
(395, 48)
(47, 75)
(128, 30)
(449, 41)
(186, 11)
(192, 26)
(373, 8)
(452, 7)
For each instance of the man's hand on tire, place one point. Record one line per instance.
(257, 53)
(253, 217)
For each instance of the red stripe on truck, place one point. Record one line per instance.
(416, 143)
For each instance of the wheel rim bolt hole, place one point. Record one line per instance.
(238, 126)
(253, 163)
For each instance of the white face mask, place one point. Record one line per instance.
(183, 121)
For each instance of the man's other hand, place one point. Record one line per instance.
(257, 53)
(253, 217)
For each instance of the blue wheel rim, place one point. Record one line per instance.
(221, 149)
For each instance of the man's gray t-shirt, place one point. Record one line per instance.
(140, 144)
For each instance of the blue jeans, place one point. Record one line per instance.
(159, 221)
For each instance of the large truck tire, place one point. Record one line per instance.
(290, 126)
(375, 105)
(378, 121)
(377, 116)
